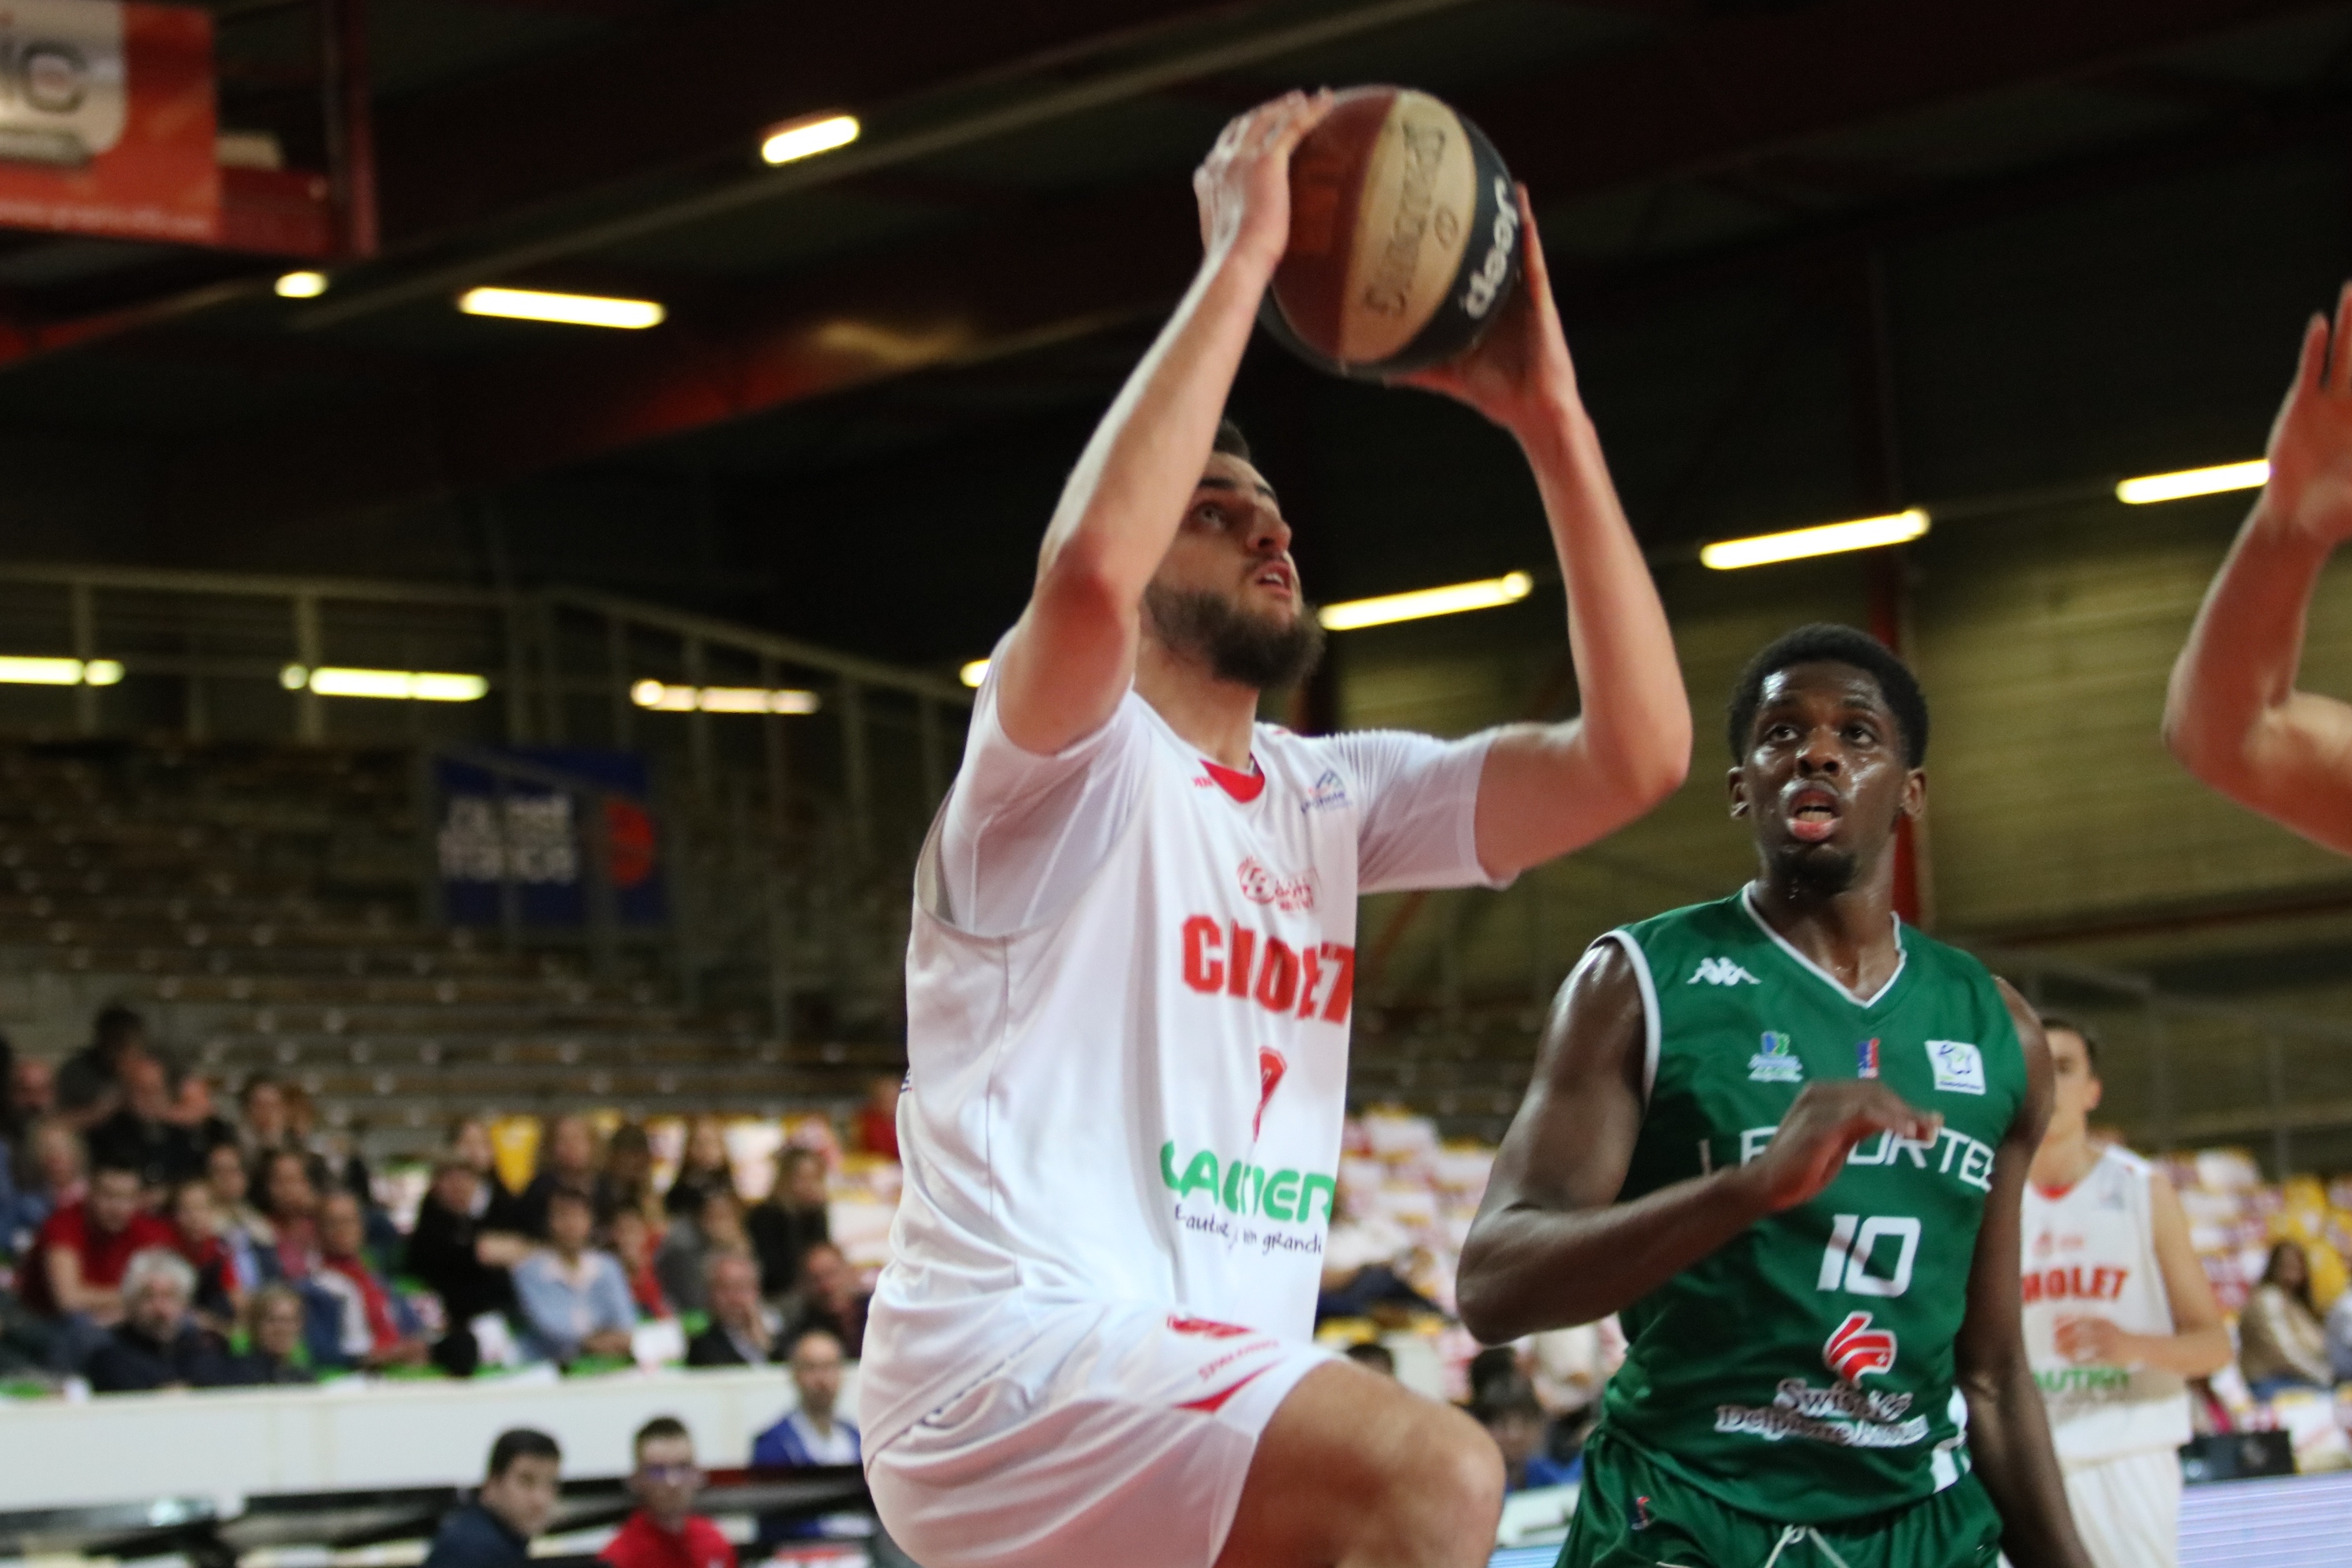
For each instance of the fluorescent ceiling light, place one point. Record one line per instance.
(664, 698)
(1482, 595)
(1829, 539)
(972, 674)
(2212, 481)
(398, 685)
(571, 310)
(807, 138)
(302, 284)
(26, 671)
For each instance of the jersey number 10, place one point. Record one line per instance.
(1845, 1261)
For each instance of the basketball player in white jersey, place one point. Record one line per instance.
(2117, 1314)
(2234, 714)
(1132, 971)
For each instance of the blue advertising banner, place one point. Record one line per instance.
(530, 830)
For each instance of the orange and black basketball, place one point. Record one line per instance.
(1404, 236)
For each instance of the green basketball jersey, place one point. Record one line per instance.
(1804, 1371)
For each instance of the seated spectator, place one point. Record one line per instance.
(193, 1107)
(495, 1204)
(373, 1336)
(567, 1162)
(792, 1219)
(574, 1300)
(828, 1298)
(2338, 1328)
(32, 1089)
(158, 1343)
(456, 1257)
(1513, 1418)
(515, 1503)
(88, 1087)
(629, 1174)
(14, 1125)
(1365, 1257)
(52, 1176)
(631, 1237)
(141, 1133)
(263, 1127)
(812, 1433)
(876, 1128)
(2281, 1344)
(703, 1169)
(665, 1531)
(274, 1321)
(290, 1196)
(75, 1268)
(743, 1329)
(686, 1252)
(196, 1236)
(251, 1241)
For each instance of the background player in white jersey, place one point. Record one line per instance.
(2117, 1313)
(1131, 973)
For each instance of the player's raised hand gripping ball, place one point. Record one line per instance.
(1404, 238)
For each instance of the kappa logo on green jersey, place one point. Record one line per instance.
(1776, 1063)
(1721, 972)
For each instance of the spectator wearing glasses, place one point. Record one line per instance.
(665, 1531)
(159, 1343)
(515, 1503)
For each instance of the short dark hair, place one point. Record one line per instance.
(117, 1027)
(1230, 441)
(2080, 1030)
(522, 1443)
(1826, 643)
(655, 1431)
(1373, 1355)
(568, 1195)
(1512, 1395)
(115, 1164)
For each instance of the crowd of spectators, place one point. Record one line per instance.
(148, 1240)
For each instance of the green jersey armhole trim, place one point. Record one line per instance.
(1902, 955)
(1650, 1042)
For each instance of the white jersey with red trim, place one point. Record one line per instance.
(2090, 1251)
(1127, 999)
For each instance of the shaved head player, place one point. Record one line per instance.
(1132, 975)
(1787, 1137)
(2233, 715)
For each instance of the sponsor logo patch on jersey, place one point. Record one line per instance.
(1775, 1062)
(1866, 1058)
(1260, 885)
(1959, 1067)
(1329, 792)
(1856, 1351)
(1720, 971)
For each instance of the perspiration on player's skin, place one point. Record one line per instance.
(1822, 783)
(2200, 1344)
(1351, 1469)
(2233, 715)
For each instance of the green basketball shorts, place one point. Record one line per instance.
(1634, 1513)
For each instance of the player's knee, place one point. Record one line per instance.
(1451, 1487)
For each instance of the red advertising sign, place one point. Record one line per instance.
(107, 122)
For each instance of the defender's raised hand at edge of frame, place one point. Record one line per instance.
(2310, 486)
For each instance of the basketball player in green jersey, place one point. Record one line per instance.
(1786, 1137)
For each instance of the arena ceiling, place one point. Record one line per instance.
(1015, 212)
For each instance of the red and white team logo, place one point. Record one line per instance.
(1856, 1351)
(1270, 1068)
(1260, 885)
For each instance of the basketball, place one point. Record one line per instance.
(1404, 236)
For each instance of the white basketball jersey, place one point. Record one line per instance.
(1127, 997)
(2090, 1251)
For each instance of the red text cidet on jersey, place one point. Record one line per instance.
(1226, 957)
(2076, 1283)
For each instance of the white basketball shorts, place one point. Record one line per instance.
(2128, 1510)
(1121, 1435)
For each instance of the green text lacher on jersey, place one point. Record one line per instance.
(1804, 1371)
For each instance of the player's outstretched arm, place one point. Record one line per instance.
(1071, 657)
(1550, 788)
(2008, 1432)
(1552, 1247)
(2232, 714)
